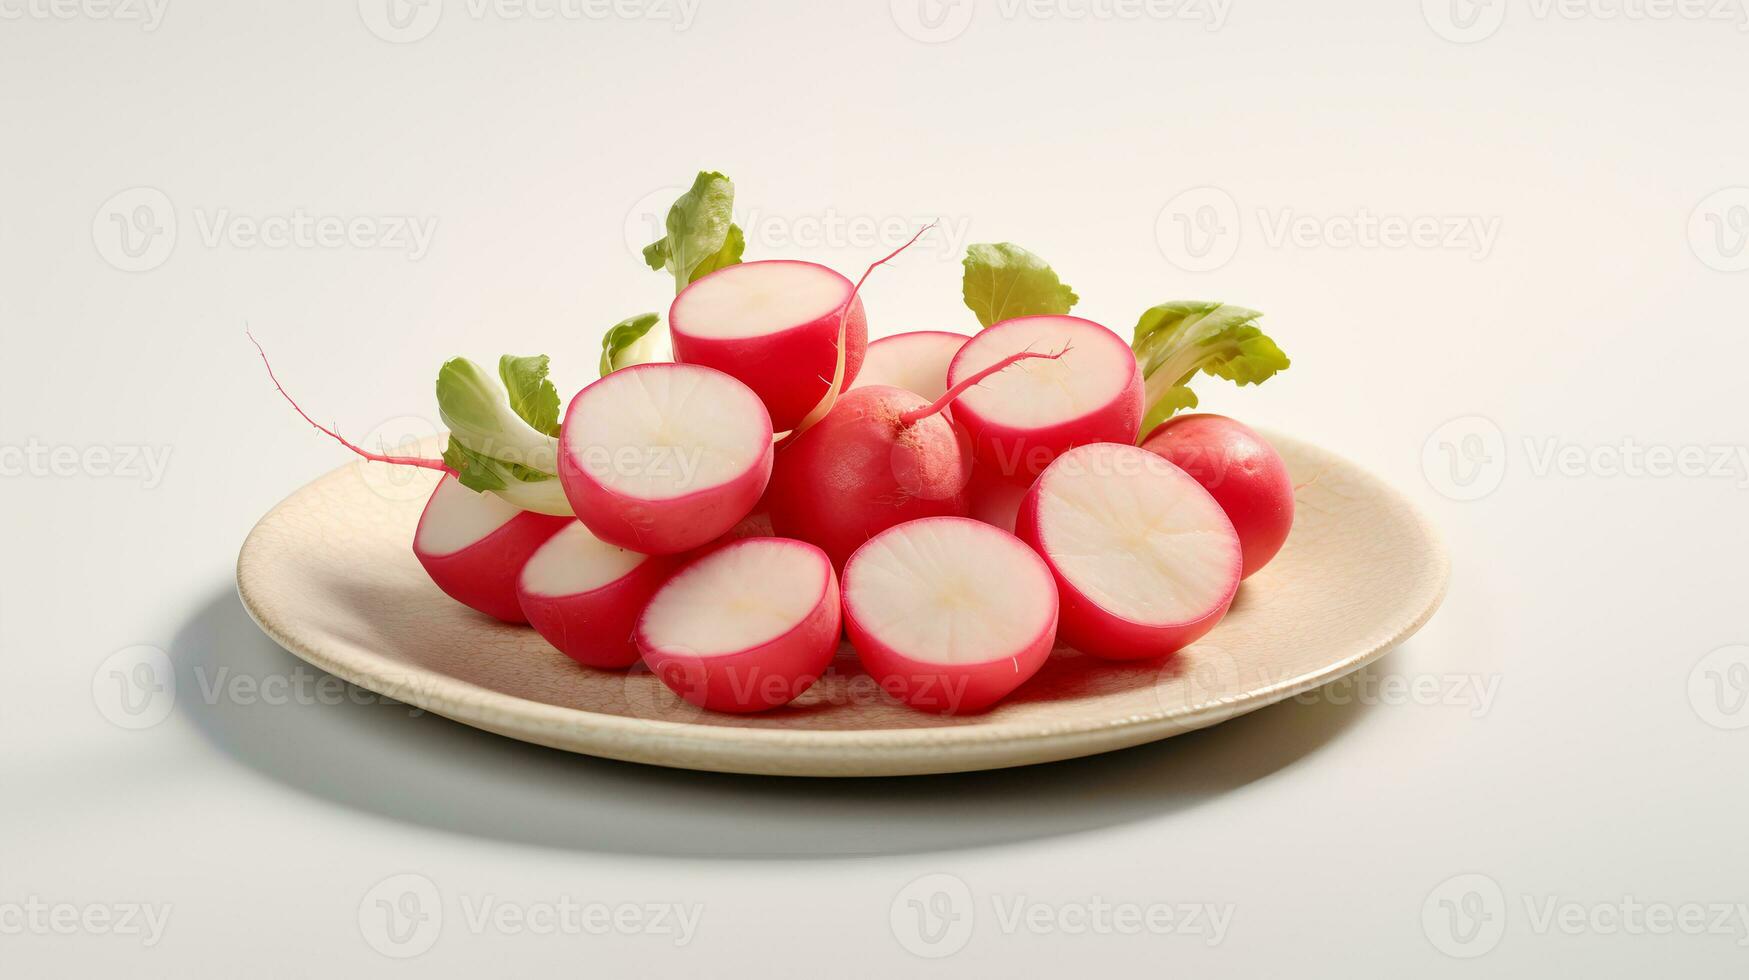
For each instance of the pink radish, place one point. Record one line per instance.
(584, 595)
(949, 614)
(662, 458)
(749, 626)
(1145, 560)
(1241, 470)
(994, 500)
(473, 545)
(880, 457)
(773, 325)
(916, 361)
(1022, 419)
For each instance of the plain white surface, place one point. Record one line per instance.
(1564, 728)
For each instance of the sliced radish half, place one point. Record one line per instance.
(1146, 561)
(949, 614)
(994, 500)
(774, 326)
(916, 361)
(749, 626)
(584, 595)
(473, 545)
(1022, 418)
(661, 458)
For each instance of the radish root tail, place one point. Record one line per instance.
(419, 461)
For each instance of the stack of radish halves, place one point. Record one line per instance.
(959, 506)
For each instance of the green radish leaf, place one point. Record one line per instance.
(618, 344)
(532, 396)
(1004, 281)
(701, 236)
(1176, 341)
(477, 410)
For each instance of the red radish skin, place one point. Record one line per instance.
(948, 614)
(860, 471)
(663, 458)
(994, 500)
(787, 355)
(1145, 560)
(1241, 470)
(480, 573)
(748, 627)
(1022, 419)
(915, 361)
(584, 596)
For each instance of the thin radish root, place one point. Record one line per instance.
(420, 461)
(831, 396)
(947, 398)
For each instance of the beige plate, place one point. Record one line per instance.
(330, 575)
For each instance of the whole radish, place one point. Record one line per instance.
(1241, 470)
(882, 456)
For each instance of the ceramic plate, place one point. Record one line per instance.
(330, 575)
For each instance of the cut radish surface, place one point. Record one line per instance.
(774, 326)
(1145, 560)
(662, 458)
(1024, 417)
(949, 614)
(749, 626)
(473, 545)
(1241, 470)
(584, 595)
(916, 362)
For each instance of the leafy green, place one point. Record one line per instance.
(1176, 341)
(701, 236)
(499, 441)
(1004, 281)
(532, 396)
(618, 345)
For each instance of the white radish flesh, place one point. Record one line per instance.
(474, 545)
(584, 595)
(916, 361)
(949, 614)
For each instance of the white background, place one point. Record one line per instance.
(1601, 317)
